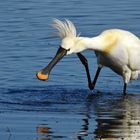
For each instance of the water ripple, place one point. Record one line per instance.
(61, 108)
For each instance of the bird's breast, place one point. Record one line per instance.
(109, 41)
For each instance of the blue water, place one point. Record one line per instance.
(60, 105)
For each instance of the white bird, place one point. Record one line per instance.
(115, 48)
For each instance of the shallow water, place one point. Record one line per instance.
(63, 114)
(63, 107)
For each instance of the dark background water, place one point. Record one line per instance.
(27, 45)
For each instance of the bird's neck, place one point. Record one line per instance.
(94, 43)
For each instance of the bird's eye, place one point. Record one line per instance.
(68, 49)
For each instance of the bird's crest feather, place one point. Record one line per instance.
(65, 28)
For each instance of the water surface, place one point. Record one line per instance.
(61, 108)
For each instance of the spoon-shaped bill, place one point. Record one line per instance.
(44, 73)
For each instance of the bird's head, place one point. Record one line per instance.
(71, 43)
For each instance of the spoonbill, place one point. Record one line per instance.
(115, 48)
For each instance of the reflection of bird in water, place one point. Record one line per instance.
(119, 120)
(111, 117)
(131, 119)
(84, 130)
(43, 130)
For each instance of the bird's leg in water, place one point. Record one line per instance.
(124, 89)
(85, 63)
(126, 77)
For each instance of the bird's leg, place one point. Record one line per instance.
(96, 76)
(85, 63)
(126, 77)
(124, 88)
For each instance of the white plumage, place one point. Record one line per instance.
(115, 48)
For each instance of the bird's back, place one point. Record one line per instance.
(120, 48)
